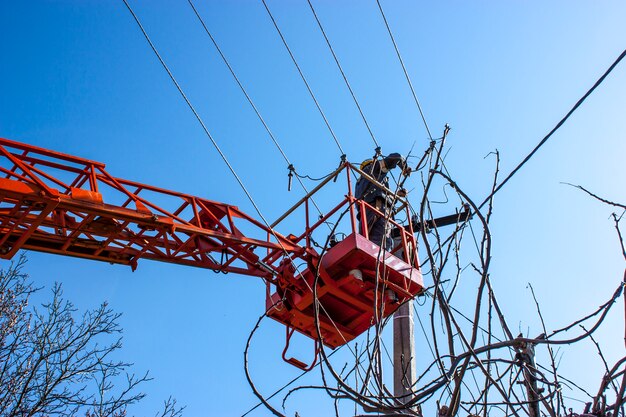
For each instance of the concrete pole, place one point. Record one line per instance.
(403, 348)
(403, 352)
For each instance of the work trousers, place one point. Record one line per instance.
(378, 227)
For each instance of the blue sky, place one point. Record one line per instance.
(78, 77)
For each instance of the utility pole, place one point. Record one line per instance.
(403, 352)
(404, 373)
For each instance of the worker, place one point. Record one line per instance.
(378, 227)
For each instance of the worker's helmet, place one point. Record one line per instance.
(365, 163)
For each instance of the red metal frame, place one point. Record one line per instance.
(62, 204)
(53, 202)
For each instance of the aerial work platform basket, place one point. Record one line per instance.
(356, 283)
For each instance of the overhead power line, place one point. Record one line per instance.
(306, 83)
(558, 125)
(195, 113)
(406, 74)
(343, 74)
(254, 107)
(243, 89)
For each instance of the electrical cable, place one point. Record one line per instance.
(306, 83)
(243, 90)
(290, 382)
(254, 107)
(193, 110)
(308, 177)
(406, 74)
(319, 24)
(558, 125)
(555, 128)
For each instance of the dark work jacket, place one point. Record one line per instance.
(365, 190)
